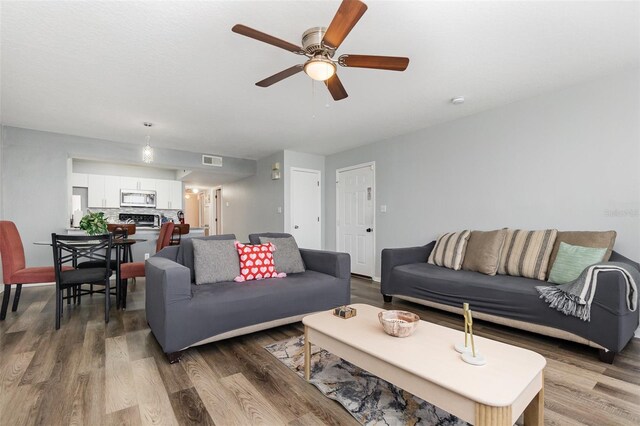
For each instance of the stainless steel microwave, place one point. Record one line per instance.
(137, 198)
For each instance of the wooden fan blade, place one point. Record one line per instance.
(347, 16)
(391, 63)
(280, 76)
(336, 88)
(266, 38)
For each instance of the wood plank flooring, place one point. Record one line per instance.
(91, 374)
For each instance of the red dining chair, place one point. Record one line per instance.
(136, 269)
(14, 271)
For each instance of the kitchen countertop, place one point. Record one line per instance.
(145, 229)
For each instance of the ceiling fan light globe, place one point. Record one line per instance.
(320, 69)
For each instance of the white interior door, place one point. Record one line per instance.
(306, 205)
(355, 189)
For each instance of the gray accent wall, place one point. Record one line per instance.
(251, 205)
(567, 160)
(35, 193)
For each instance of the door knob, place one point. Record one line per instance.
(296, 227)
(369, 229)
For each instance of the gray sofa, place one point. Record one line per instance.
(511, 301)
(182, 314)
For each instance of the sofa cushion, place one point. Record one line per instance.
(596, 239)
(226, 306)
(483, 251)
(185, 252)
(449, 250)
(286, 254)
(572, 260)
(215, 261)
(256, 262)
(501, 295)
(255, 238)
(526, 253)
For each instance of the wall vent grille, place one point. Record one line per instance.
(211, 160)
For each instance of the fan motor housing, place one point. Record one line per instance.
(312, 41)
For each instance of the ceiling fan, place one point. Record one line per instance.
(319, 44)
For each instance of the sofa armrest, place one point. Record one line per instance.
(328, 262)
(611, 293)
(617, 257)
(167, 287)
(168, 278)
(402, 256)
(169, 252)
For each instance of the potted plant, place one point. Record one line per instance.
(94, 223)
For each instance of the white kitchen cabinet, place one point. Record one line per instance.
(95, 185)
(103, 191)
(169, 194)
(112, 192)
(175, 194)
(147, 184)
(144, 184)
(162, 194)
(129, 182)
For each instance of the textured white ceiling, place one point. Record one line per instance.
(100, 69)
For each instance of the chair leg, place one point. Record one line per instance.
(123, 293)
(68, 295)
(107, 300)
(58, 307)
(5, 301)
(16, 298)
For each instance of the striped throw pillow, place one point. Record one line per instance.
(526, 253)
(449, 250)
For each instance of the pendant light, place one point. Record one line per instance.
(147, 151)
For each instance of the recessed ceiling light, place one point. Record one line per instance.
(458, 100)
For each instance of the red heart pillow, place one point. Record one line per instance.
(256, 262)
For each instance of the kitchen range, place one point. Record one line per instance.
(140, 220)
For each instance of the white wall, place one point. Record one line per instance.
(568, 160)
(303, 161)
(251, 205)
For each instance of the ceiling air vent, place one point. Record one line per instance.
(210, 160)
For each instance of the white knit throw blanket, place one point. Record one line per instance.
(574, 298)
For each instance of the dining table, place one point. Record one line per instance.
(122, 253)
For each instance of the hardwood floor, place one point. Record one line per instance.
(91, 374)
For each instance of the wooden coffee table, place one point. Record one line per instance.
(427, 365)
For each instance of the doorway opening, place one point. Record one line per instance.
(202, 209)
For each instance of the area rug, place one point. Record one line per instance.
(369, 399)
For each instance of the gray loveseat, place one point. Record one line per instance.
(511, 301)
(182, 314)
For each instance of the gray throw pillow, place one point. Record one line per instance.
(287, 255)
(215, 261)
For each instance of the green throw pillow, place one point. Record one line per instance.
(572, 260)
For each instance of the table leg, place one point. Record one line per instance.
(534, 413)
(487, 415)
(307, 355)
